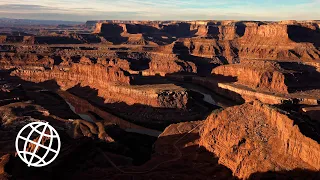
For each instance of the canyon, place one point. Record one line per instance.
(165, 99)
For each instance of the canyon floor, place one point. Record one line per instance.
(164, 100)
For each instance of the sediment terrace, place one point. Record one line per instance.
(110, 88)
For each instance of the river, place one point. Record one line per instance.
(81, 104)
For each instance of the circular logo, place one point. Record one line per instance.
(32, 144)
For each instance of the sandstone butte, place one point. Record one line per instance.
(233, 99)
(252, 138)
(258, 138)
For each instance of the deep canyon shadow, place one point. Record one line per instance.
(304, 35)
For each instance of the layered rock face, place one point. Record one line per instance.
(108, 75)
(276, 41)
(267, 76)
(256, 40)
(226, 32)
(271, 82)
(264, 75)
(77, 73)
(112, 84)
(115, 29)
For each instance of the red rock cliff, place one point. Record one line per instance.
(258, 138)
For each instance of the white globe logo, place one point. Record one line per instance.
(43, 132)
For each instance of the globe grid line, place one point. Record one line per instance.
(34, 128)
(24, 152)
(50, 144)
(40, 145)
(46, 135)
(37, 146)
(29, 135)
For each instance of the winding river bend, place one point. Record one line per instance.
(83, 116)
(89, 112)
